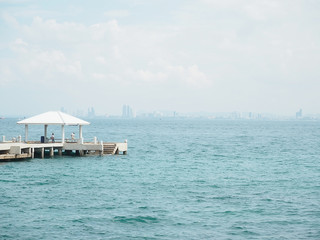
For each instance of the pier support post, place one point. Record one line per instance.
(124, 152)
(51, 152)
(45, 132)
(26, 133)
(80, 131)
(32, 153)
(68, 152)
(42, 152)
(60, 151)
(62, 133)
(79, 153)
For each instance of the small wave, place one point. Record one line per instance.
(219, 155)
(45, 182)
(242, 231)
(267, 199)
(137, 219)
(199, 181)
(144, 207)
(221, 197)
(229, 212)
(7, 181)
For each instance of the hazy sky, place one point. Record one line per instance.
(187, 56)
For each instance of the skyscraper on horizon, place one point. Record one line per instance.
(127, 112)
(299, 114)
(91, 112)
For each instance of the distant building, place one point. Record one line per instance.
(235, 115)
(127, 112)
(299, 114)
(91, 112)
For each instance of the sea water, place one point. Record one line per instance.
(181, 179)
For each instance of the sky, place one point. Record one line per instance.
(183, 55)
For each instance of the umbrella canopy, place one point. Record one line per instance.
(54, 118)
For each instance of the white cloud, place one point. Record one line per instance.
(117, 14)
(20, 42)
(5, 74)
(19, 46)
(185, 76)
(40, 66)
(99, 76)
(41, 31)
(101, 60)
(266, 10)
(197, 78)
(191, 75)
(10, 20)
(148, 76)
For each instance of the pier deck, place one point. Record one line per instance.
(19, 150)
(8, 145)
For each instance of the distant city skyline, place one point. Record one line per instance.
(183, 56)
(128, 112)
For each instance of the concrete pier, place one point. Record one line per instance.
(18, 150)
(10, 150)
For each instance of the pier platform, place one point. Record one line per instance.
(19, 150)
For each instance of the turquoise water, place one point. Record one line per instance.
(181, 179)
